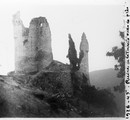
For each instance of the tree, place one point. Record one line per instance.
(101, 98)
(72, 54)
(119, 55)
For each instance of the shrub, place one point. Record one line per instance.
(99, 98)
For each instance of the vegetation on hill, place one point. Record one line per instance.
(98, 98)
(91, 96)
(85, 101)
(107, 79)
(59, 90)
(119, 55)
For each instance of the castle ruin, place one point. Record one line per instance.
(33, 50)
(84, 66)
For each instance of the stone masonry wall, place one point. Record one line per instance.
(33, 50)
(84, 66)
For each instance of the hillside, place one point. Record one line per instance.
(107, 79)
(17, 100)
(43, 95)
(104, 78)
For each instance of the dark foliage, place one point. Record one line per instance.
(120, 87)
(119, 55)
(59, 101)
(3, 107)
(88, 113)
(75, 83)
(72, 54)
(39, 96)
(99, 98)
(47, 81)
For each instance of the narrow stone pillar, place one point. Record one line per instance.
(84, 66)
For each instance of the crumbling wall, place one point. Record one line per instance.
(84, 66)
(33, 50)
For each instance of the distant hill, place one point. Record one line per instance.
(107, 78)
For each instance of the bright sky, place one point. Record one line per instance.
(99, 20)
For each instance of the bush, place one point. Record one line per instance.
(99, 98)
(4, 111)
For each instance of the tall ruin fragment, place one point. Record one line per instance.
(33, 50)
(84, 66)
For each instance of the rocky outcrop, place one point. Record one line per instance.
(84, 49)
(57, 76)
(33, 55)
(33, 50)
(17, 100)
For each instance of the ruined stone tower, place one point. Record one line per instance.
(84, 66)
(33, 50)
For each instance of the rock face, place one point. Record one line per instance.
(84, 48)
(33, 50)
(57, 74)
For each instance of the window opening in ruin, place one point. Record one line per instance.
(25, 41)
(41, 25)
